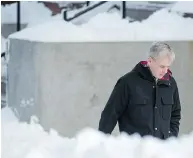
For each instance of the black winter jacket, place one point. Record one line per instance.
(140, 105)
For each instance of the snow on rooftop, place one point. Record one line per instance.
(183, 6)
(162, 25)
(22, 140)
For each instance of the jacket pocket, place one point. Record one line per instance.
(167, 103)
(138, 108)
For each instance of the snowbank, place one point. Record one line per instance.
(183, 6)
(32, 13)
(22, 140)
(3, 60)
(162, 25)
(3, 44)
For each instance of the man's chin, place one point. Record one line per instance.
(160, 76)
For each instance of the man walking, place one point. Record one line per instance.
(146, 100)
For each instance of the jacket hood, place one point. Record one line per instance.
(143, 69)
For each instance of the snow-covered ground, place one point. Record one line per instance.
(22, 140)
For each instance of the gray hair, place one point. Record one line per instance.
(159, 49)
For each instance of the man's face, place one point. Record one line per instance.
(159, 66)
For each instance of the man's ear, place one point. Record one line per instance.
(149, 60)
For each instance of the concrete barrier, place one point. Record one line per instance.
(66, 85)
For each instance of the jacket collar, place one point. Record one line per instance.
(144, 71)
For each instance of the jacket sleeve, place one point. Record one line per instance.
(115, 107)
(176, 114)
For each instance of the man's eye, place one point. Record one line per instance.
(162, 67)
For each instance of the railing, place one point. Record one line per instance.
(88, 9)
(123, 9)
(188, 15)
(83, 11)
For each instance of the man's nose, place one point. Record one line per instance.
(165, 70)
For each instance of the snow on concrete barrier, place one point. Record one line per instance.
(162, 25)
